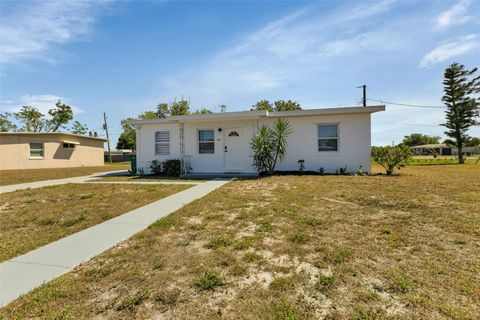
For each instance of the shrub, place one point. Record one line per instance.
(390, 157)
(156, 167)
(172, 167)
(209, 280)
(270, 146)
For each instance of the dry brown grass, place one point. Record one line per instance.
(32, 218)
(147, 178)
(336, 247)
(8, 177)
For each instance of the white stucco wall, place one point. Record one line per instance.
(353, 147)
(354, 143)
(146, 144)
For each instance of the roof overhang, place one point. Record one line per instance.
(246, 115)
(71, 142)
(62, 134)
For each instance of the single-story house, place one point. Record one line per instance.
(442, 149)
(38, 150)
(119, 155)
(330, 138)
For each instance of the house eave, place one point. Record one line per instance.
(247, 115)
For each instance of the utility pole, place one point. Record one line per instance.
(364, 99)
(105, 126)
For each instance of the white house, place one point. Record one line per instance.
(331, 138)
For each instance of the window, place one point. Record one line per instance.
(233, 134)
(206, 141)
(328, 137)
(162, 143)
(68, 145)
(36, 150)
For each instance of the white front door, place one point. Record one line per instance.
(233, 148)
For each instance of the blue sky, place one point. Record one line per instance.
(125, 57)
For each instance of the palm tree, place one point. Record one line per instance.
(270, 146)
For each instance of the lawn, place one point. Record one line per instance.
(147, 178)
(292, 247)
(32, 218)
(8, 177)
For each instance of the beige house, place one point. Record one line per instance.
(37, 150)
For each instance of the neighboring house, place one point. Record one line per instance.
(119, 155)
(34, 150)
(441, 149)
(330, 138)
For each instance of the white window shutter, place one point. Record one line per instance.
(162, 143)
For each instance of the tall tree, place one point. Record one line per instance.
(180, 107)
(262, 105)
(463, 106)
(163, 110)
(79, 128)
(417, 139)
(31, 118)
(223, 108)
(127, 139)
(148, 115)
(6, 125)
(61, 115)
(289, 105)
(203, 111)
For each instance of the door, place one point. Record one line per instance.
(233, 148)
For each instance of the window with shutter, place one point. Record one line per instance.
(162, 143)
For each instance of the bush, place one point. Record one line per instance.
(172, 167)
(269, 146)
(391, 157)
(156, 167)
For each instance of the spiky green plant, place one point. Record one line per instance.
(269, 146)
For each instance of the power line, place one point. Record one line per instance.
(415, 124)
(407, 105)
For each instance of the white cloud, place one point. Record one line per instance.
(456, 15)
(283, 52)
(33, 29)
(450, 49)
(42, 102)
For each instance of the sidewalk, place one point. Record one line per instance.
(54, 182)
(26, 272)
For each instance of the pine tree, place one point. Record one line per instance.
(463, 108)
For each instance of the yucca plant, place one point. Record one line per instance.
(270, 146)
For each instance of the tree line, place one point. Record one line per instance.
(30, 119)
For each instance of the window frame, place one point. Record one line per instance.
(69, 145)
(155, 143)
(42, 150)
(330, 138)
(199, 142)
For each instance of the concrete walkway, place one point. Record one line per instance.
(145, 182)
(26, 272)
(54, 182)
